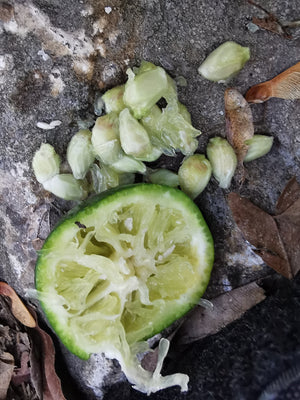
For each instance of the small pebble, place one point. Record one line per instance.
(252, 27)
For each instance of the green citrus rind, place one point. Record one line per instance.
(146, 194)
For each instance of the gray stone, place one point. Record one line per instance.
(56, 55)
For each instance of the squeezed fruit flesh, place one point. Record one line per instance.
(124, 267)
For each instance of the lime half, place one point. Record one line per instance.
(122, 268)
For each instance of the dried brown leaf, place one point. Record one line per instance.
(7, 364)
(17, 306)
(284, 86)
(270, 22)
(22, 374)
(14, 340)
(260, 229)
(227, 308)
(290, 194)
(32, 347)
(289, 229)
(201, 322)
(36, 371)
(51, 382)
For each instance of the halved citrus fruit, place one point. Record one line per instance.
(122, 268)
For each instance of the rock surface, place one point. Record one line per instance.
(55, 58)
(247, 360)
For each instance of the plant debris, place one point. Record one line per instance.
(289, 195)
(6, 373)
(51, 389)
(18, 308)
(275, 238)
(288, 222)
(284, 86)
(270, 22)
(202, 321)
(260, 229)
(239, 122)
(228, 307)
(26, 353)
(239, 125)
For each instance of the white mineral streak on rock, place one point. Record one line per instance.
(12, 27)
(97, 369)
(44, 55)
(2, 63)
(6, 65)
(29, 19)
(113, 37)
(58, 84)
(100, 46)
(97, 372)
(21, 205)
(88, 10)
(99, 26)
(246, 257)
(17, 266)
(82, 66)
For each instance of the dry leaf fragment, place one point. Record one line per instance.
(269, 23)
(239, 122)
(22, 374)
(290, 194)
(284, 86)
(29, 345)
(51, 382)
(227, 307)
(202, 321)
(7, 364)
(276, 238)
(288, 224)
(17, 307)
(260, 229)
